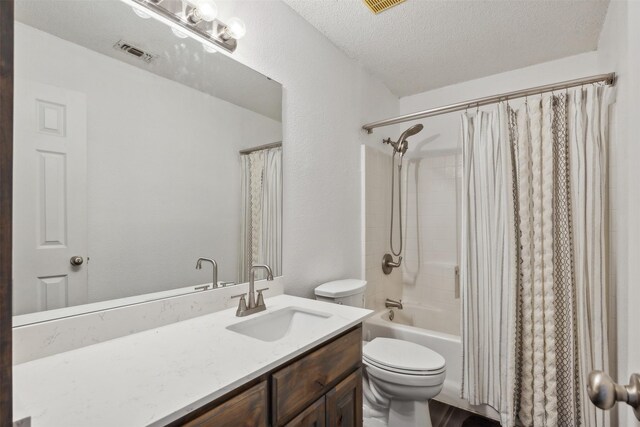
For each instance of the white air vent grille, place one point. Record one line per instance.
(377, 6)
(129, 48)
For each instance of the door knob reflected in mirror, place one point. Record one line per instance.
(604, 392)
(76, 260)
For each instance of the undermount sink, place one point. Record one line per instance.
(280, 323)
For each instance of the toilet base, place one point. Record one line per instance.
(409, 413)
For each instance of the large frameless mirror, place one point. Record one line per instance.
(136, 152)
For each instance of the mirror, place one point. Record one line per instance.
(136, 152)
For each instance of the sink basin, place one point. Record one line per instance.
(280, 323)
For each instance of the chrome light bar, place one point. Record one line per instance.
(194, 19)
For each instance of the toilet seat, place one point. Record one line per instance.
(402, 357)
(393, 369)
(405, 380)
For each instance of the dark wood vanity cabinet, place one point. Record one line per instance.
(344, 402)
(340, 407)
(322, 387)
(247, 409)
(314, 416)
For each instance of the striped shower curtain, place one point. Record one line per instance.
(534, 261)
(261, 212)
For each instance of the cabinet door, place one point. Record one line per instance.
(248, 409)
(313, 416)
(344, 402)
(303, 382)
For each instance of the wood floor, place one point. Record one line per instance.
(443, 415)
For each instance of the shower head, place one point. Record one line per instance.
(410, 132)
(402, 145)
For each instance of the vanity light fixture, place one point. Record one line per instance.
(235, 29)
(202, 10)
(195, 19)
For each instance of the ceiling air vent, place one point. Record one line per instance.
(378, 6)
(137, 52)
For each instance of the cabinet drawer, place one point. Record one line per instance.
(301, 383)
(247, 409)
(313, 416)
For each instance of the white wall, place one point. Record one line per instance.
(619, 48)
(633, 195)
(612, 51)
(164, 169)
(327, 97)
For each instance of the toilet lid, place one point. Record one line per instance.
(403, 357)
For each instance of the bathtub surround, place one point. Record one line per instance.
(432, 217)
(377, 199)
(555, 148)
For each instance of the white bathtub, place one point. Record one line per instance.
(415, 323)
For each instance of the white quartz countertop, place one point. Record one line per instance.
(156, 376)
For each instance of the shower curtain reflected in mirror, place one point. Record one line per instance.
(533, 270)
(261, 210)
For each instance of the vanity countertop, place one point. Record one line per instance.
(156, 376)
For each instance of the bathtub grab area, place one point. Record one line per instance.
(412, 323)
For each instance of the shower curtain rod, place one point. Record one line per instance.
(261, 147)
(608, 78)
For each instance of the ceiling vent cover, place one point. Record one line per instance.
(127, 47)
(378, 6)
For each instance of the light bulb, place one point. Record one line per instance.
(209, 48)
(203, 10)
(179, 33)
(236, 28)
(141, 13)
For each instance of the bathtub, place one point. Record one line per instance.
(415, 323)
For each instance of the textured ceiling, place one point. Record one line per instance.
(99, 24)
(425, 44)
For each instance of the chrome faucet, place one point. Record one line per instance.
(251, 306)
(391, 303)
(213, 262)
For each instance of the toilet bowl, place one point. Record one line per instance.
(400, 377)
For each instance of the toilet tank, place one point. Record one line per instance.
(347, 291)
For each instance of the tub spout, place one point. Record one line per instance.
(391, 303)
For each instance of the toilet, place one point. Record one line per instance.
(400, 376)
